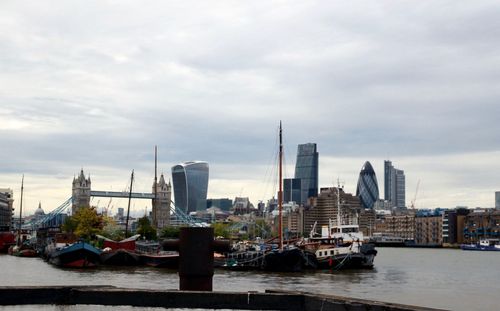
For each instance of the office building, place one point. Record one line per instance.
(224, 204)
(6, 202)
(325, 209)
(190, 181)
(394, 186)
(306, 169)
(367, 189)
(292, 190)
(497, 199)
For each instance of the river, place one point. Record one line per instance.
(440, 278)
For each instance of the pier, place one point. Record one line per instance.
(114, 296)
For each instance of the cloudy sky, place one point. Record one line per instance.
(96, 84)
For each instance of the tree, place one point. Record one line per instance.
(112, 230)
(145, 229)
(170, 232)
(88, 223)
(221, 230)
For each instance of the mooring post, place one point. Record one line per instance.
(196, 248)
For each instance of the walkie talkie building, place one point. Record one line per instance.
(190, 180)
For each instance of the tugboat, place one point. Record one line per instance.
(340, 246)
(483, 245)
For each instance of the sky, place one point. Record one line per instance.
(95, 85)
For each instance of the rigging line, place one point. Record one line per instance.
(270, 167)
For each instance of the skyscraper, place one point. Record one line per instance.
(292, 190)
(190, 181)
(367, 189)
(306, 168)
(394, 185)
(497, 199)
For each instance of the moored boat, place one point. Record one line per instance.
(483, 245)
(121, 253)
(7, 239)
(76, 255)
(150, 254)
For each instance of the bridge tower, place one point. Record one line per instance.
(81, 192)
(161, 207)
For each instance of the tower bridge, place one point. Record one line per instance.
(165, 212)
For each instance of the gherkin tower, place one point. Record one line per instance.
(367, 189)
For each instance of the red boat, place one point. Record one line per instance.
(7, 239)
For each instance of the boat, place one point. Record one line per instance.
(76, 255)
(7, 239)
(121, 253)
(274, 258)
(386, 240)
(22, 249)
(150, 254)
(483, 245)
(340, 246)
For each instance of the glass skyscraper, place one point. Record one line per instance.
(292, 189)
(394, 185)
(367, 189)
(190, 181)
(306, 169)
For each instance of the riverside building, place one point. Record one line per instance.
(190, 181)
(6, 201)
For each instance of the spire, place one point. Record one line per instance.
(162, 180)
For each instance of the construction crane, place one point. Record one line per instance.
(415, 197)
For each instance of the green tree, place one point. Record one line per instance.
(170, 232)
(145, 229)
(112, 230)
(221, 230)
(69, 225)
(88, 223)
(262, 229)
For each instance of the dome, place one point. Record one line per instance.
(39, 211)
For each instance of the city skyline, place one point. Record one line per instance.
(364, 81)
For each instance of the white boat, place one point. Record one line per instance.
(483, 245)
(340, 246)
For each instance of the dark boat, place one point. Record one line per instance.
(284, 260)
(280, 259)
(150, 254)
(120, 257)
(25, 250)
(120, 253)
(77, 255)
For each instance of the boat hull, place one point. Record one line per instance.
(160, 261)
(120, 257)
(289, 260)
(468, 247)
(78, 255)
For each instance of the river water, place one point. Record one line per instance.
(440, 278)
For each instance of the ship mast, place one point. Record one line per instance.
(20, 214)
(154, 210)
(280, 192)
(128, 208)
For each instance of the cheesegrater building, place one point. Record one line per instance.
(306, 169)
